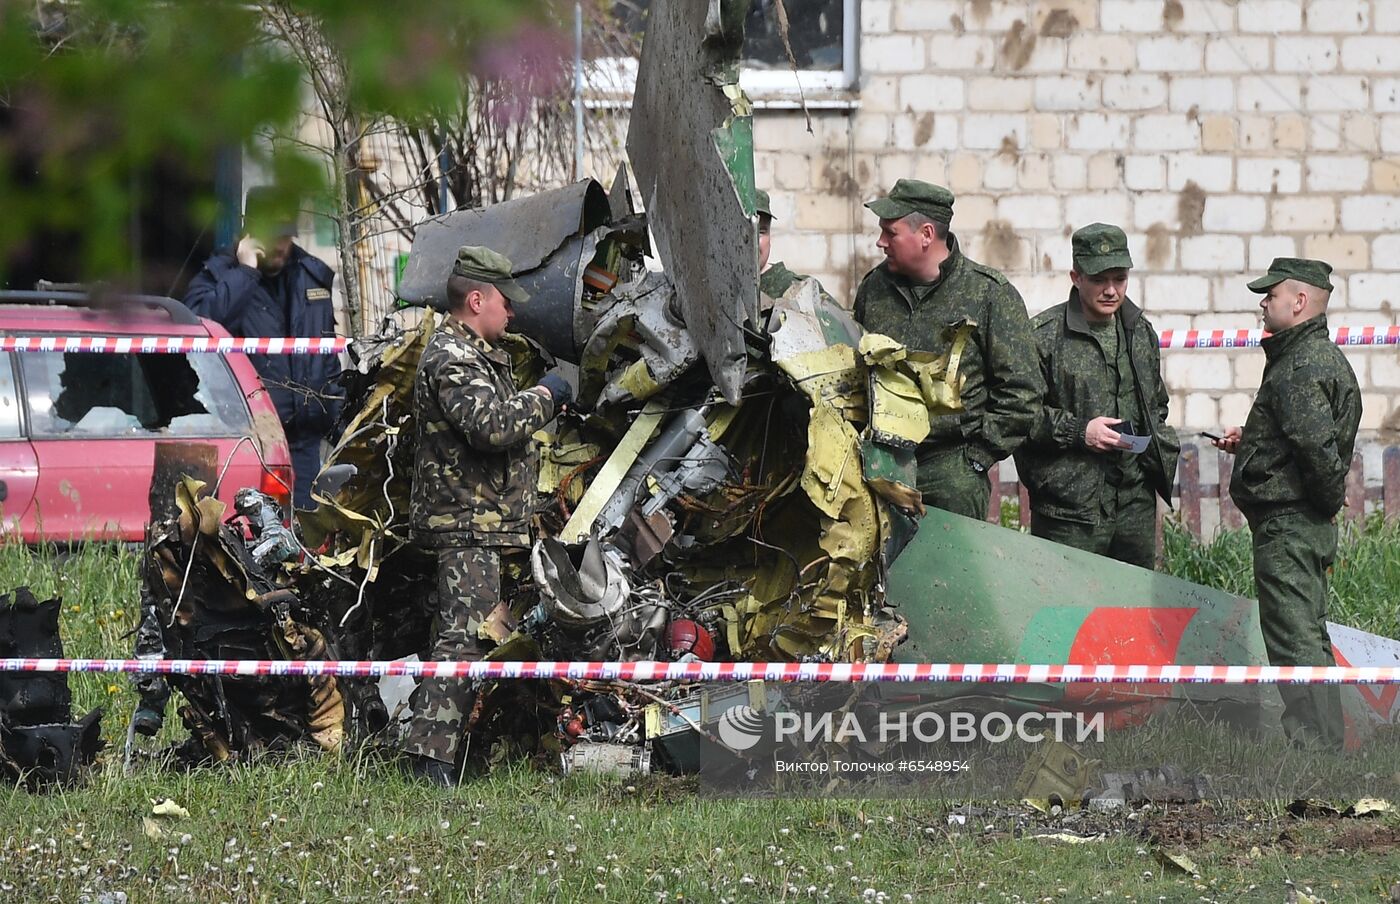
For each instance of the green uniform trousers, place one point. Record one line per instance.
(1291, 556)
(948, 480)
(1128, 534)
(468, 588)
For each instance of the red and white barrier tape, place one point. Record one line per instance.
(987, 673)
(176, 345)
(1356, 336)
(1345, 335)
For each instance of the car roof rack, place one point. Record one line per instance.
(78, 296)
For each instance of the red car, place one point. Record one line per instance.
(78, 430)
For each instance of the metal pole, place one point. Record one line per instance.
(578, 90)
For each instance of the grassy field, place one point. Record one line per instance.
(1364, 583)
(351, 829)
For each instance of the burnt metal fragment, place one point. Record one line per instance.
(39, 743)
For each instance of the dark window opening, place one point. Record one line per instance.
(106, 395)
(816, 31)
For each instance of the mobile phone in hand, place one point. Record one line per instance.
(1209, 435)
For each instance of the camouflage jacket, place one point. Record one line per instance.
(1002, 388)
(1298, 439)
(777, 279)
(475, 466)
(1064, 478)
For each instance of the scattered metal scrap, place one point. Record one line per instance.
(731, 485)
(39, 742)
(673, 524)
(690, 142)
(210, 590)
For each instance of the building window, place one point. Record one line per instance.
(824, 35)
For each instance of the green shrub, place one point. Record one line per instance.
(1364, 584)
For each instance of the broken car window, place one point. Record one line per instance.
(80, 394)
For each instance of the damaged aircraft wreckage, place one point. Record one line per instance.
(735, 482)
(732, 483)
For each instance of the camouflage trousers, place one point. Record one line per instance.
(1291, 556)
(468, 588)
(947, 480)
(1128, 533)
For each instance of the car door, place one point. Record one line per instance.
(19, 466)
(94, 421)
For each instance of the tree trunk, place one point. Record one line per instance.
(347, 229)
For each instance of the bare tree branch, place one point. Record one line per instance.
(496, 139)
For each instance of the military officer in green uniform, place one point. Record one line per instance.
(929, 296)
(1100, 360)
(474, 470)
(1289, 480)
(774, 281)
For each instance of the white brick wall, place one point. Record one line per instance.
(1238, 54)
(1336, 173)
(1270, 175)
(1271, 16)
(1212, 173)
(1202, 95)
(1129, 15)
(1134, 92)
(923, 15)
(1101, 52)
(895, 53)
(1171, 54)
(1235, 213)
(1244, 130)
(1329, 16)
(1387, 17)
(931, 92)
(1296, 54)
(1098, 131)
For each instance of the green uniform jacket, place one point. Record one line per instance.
(1065, 479)
(1299, 436)
(1002, 387)
(475, 466)
(777, 279)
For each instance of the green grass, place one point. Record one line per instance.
(1363, 585)
(320, 828)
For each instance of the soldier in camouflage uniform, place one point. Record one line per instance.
(1102, 368)
(924, 291)
(1289, 480)
(774, 281)
(474, 470)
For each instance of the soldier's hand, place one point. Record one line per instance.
(1100, 436)
(1230, 442)
(249, 251)
(558, 389)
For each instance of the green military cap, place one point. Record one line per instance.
(1314, 273)
(485, 265)
(912, 196)
(1099, 247)
(764, 205)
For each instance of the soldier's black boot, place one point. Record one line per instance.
(147, 721)
(434, 772)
